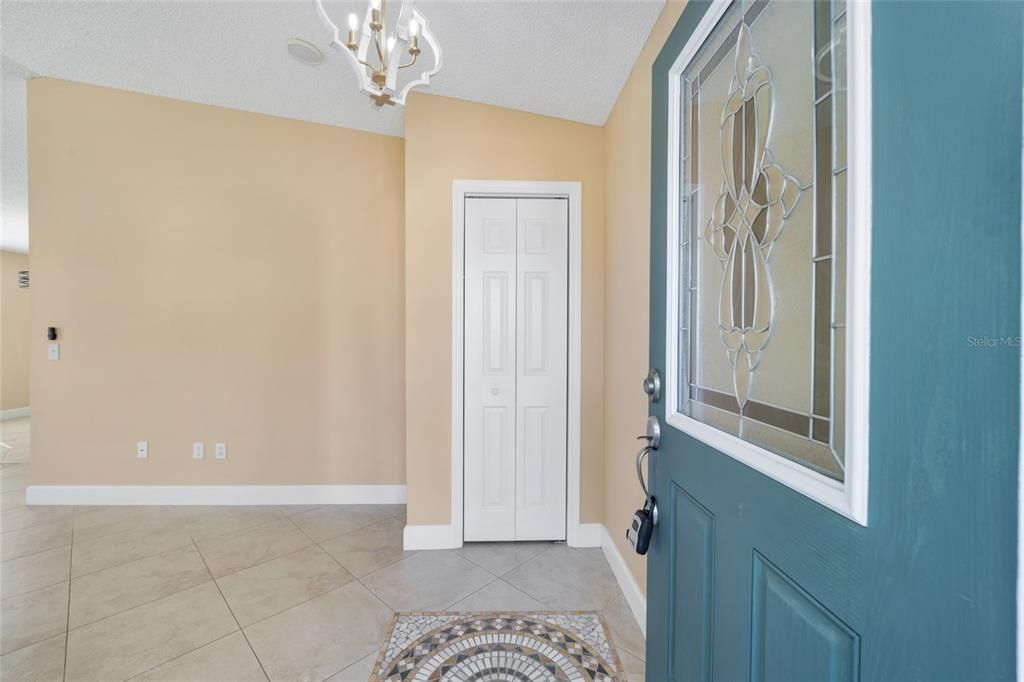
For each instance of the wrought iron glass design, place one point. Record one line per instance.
(763, 230)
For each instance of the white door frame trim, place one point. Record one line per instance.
(576, 535)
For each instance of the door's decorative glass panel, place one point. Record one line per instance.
(756, 198)
(762, 224)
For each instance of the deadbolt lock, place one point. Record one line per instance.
(652, 386)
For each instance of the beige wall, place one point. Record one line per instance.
(15, 332)
(627, 295)
(251, 259)
(216, 276)
(449, 139)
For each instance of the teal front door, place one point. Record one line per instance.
(835, 315)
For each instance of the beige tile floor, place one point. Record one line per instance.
(249, 593)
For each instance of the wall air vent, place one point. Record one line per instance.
(23, 279)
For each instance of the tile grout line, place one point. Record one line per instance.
(170, 549)
(31, 525)
(484, 568)
(354, 579)
(131, 561)
(182, 523)
(230, 610)
(169, 660)
(47, 549)
(494, 577)
(335, 537)
(140, 604)
(289, 608)
(461, 599)
(502, 575)
(213, 579)
(395, 611)
(356, 530)
(150, 601)
(257, 565)
(40, 587)
(67, 621)
(319, 546)
(38, 641)
(73, 514)
(306, 601)
(243, 529)
(136, 606)
(34, 552)
(599, 611)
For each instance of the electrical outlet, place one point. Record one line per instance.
(142, 449)
(222, 451)
(197, 451)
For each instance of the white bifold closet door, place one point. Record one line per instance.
(516, 385)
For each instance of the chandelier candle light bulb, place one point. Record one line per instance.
(376, 57)
(414, 33)
(353, 24)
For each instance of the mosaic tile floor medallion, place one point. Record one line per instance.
(554, 646)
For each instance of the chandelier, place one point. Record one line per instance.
(376, 51)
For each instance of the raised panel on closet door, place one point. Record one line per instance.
(541, 375)
(490, 369)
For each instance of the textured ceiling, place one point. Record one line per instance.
(13, 160)
(561, 58)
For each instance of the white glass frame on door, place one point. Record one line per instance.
(845, 488)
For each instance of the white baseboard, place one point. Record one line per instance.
(213, 494)
(15, 413)
(635, 597)
(585, 535)
(431, 537)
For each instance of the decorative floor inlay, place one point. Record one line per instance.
(554, 646)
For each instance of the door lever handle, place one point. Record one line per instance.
(653, 435)
(644, 520)
(640, 471)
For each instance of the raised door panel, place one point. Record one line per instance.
(782, 613)
(692, 553)
(541, 382)
(490, 369)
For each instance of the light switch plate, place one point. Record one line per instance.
(197, 451)
(221, 451)
(53, 351)
(142, 449)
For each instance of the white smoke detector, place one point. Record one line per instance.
(305, 51)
